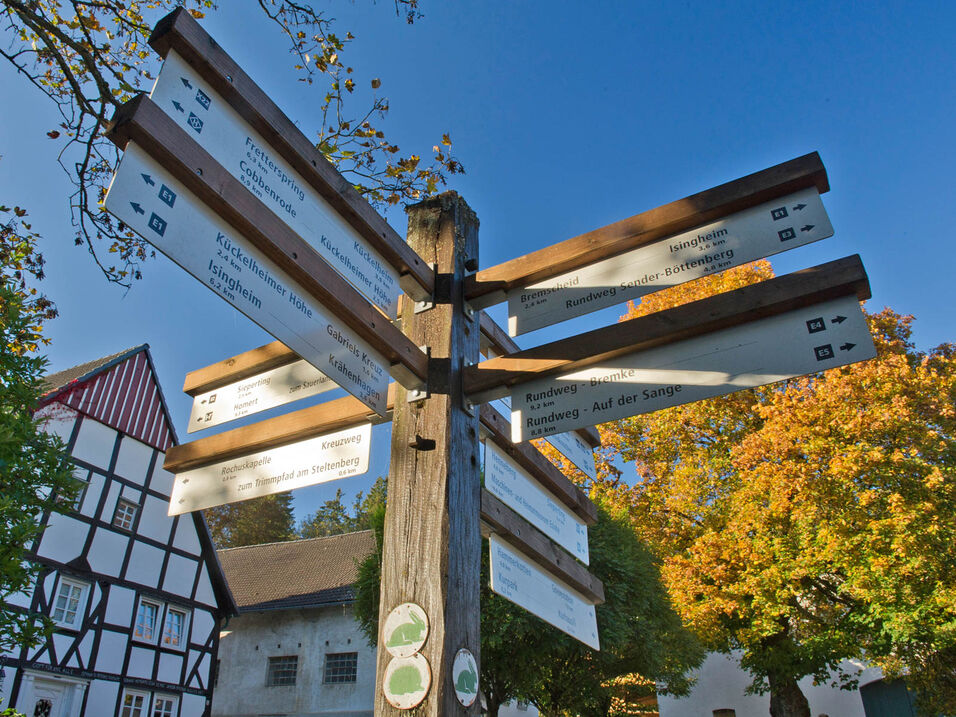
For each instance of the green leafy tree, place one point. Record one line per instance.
(523, 657)
(811, 521)
(267, 519)
(35, 475)
(90, 57)
(333, 518)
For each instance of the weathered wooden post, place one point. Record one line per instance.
(432, 545)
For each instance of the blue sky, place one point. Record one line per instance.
(568, 117)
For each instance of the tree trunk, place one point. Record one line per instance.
(786, 698)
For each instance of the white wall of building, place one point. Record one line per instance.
(251, 639)
(721, 684)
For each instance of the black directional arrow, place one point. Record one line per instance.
(807, 228)
(837, 319)
(798, 207)
(178, 106)
(186, 82)
(148, 180)
(847, 347)
(136, 208)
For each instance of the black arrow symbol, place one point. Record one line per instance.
(807, 228)
(136, 208)
(148, 180)
(186, 82)
(847, 347)
(837, 319)
(178, 106)
(799, 207)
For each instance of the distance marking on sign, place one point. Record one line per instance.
(257, 393)
(737, 239)
(516, 488)
(243, 152)
(340, 454)
(194, 237)
(518, 579)
(815, 338)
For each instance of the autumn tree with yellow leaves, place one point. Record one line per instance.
(810, 521)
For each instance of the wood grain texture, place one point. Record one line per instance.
(487, 286)
(179, 32)
(432, 541)
(142, 122)
(538, 466)
(517, 531)
(493, 378)
(238, 368)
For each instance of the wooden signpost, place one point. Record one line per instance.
(222, 182)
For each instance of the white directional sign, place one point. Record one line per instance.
(523, 494)
(316, 460)
(242, 151)
(257, 393)
(576, 450)
(516, 578)
(172, 219)
(826, 335)
(732, 241)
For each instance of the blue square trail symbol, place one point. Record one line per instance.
(823, 352)
(779, 213)
(157, 224)
(786, 234)
(815, 325)
(202, 98)
(195, 122)
(167, 195)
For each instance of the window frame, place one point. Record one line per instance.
(116, 522)
(184, 627)
(273, 666)
(127, 710)
(173, 699)
(80, 609)
(157, 623)
(332, 674)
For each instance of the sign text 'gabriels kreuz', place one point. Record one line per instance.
(192, 104)
(171, 218)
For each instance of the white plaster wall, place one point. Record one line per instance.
(107, 551)
(721, 684)
(251, 639)
(91, 498)
(109, 658)
(95, 443)
(145, 562)
(119, 606)
(186, 537)
(180, 575)
(133, 460)
(63, 538)
(101, 697)
(192, 706)
(162, 481)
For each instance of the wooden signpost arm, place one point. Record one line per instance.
(493, 378)
(142, 122)
(489, 286)
(495, 338)
(503, 521)
(539, 467)
(182, 34)
(432, 539)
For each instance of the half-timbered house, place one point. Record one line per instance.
(137, 597)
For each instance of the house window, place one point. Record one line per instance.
(164, 706)
(174, 627)
(125, 513)
(134, 704)
(282, 670)
(68, 605)
(340, 667)
(147, 616)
